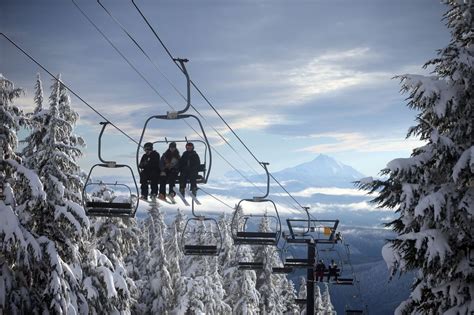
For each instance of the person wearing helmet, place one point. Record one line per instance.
(149, 168)
(169, 166)
(188, 167)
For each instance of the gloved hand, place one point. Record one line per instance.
(162, 174)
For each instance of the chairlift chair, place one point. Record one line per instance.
(241, 227)
(199, 242)
(205, 168)
(100, 208)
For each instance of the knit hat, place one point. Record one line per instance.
(172, 145)
(148, 145)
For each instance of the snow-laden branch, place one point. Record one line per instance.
(34, 181)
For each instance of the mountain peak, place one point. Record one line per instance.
(322, 169)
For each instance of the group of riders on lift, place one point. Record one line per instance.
(331, 271)
(154, 171)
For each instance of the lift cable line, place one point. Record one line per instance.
(70, 90)
(208, 102)
(147, 81)
(155, 65)
(86, 103)
(123, 28)
(156, 91)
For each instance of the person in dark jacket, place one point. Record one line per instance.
(332, 270)
(169, 167)
(188, 168)
(319, 271)
(149, 168)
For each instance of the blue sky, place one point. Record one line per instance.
(293, 78)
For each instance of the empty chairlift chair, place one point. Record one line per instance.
(124, 205)
(201, 236)
(244, 225)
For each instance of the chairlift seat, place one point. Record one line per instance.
(344, 281)
(256, 238)
(297, 262)
(354, 312)
(109, 205)
(109, 212)
(201, 250)
(250, 265)
(257, 234)
(254, 241)
(301, 301)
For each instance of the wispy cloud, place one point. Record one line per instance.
(340, 142)
(333, 191)
(355, 207)
(295, 83)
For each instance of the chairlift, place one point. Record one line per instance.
(244, 226)
(201, 236)
(93, 206)
(204, 169)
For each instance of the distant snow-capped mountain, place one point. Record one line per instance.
(323, 171)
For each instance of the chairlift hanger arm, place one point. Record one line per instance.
(258, 198)
(104, 125)
(182, 65)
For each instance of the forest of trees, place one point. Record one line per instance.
(56, 260)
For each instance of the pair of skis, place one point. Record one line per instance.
(193, 197)
(171, 200)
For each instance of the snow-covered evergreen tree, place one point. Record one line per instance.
(433, 190)
(38, 123)
(268, 284)
(117, 238)
(243, 295)
(20, 248)
(73, 276)
(175, 256)
(239, 285)
(319, 305)
(160, 279)
(136, 264)
(325, 299)
(288, 296)
(156, 286)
